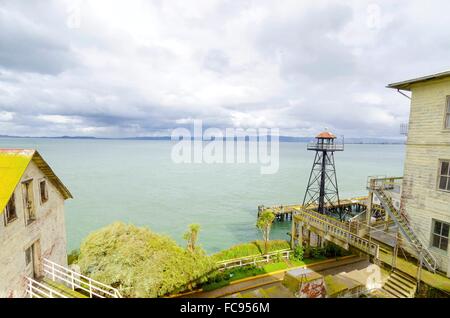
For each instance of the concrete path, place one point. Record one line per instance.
(258, 281)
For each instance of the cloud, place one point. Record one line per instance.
(136, 68)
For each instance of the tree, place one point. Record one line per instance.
(264, 223)
(141, 263)
(191, 236)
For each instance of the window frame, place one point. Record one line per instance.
(441, 237)
(7, 218)
(440, 175)
(43, 200)
(29, 218)
(447, 114)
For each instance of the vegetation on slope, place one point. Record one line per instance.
(141, 263)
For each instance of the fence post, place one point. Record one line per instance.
(53, 271)
(30, 286)
(90, 287)
(73, 285)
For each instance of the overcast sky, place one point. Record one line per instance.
(141, 68)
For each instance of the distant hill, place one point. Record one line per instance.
(281, 139)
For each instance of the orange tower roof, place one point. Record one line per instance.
(326, 135)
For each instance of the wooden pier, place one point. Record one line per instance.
(284, 212)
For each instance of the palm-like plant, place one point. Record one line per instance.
(264, 223)
(191, 236)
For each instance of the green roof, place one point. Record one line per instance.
(13, 163)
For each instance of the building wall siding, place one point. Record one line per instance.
(48, 228)
(428, 142)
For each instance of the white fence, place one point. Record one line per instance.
(77, 281)
(254, 259)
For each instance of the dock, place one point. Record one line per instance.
(352, 206)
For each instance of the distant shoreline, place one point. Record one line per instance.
(284, 139)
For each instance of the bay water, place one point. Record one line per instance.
(135, 181)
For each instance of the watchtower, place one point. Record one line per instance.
(322, 187)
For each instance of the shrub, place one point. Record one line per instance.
(72, 258)
(317, 252)
(141, 263)
(333, 250)
(299, 253)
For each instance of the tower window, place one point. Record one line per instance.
(440, 235)
(43, 191)
(10, 210)
(444, 175)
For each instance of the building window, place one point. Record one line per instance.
(29, 255)
(43, 191)
(447, 114)
(440, 235)
(10, 210)
(28, 201)
(444, 175)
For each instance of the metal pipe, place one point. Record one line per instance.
(399, 91)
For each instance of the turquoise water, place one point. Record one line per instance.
(136, 182)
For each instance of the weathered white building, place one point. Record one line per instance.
(32, 226)
(426, 181)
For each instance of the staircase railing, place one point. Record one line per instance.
(340, 230)
(379, 186)
(39, 290)
(78, 281)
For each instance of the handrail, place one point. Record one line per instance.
(252, 260)
(319, 146)
(38, 290)
(344, 225)
(76, 280)
(378, 185)
(340, 230)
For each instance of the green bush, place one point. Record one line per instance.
(298, 253)
(317, 252)
(72, 258)
(141, 263)
(332, 250)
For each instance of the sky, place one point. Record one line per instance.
(110, 68)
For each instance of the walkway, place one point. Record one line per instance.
(271, 278)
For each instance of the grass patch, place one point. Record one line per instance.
(296, 262)
(273, 267)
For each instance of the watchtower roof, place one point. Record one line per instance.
(326, 135)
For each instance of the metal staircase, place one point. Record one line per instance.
(379, 187)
